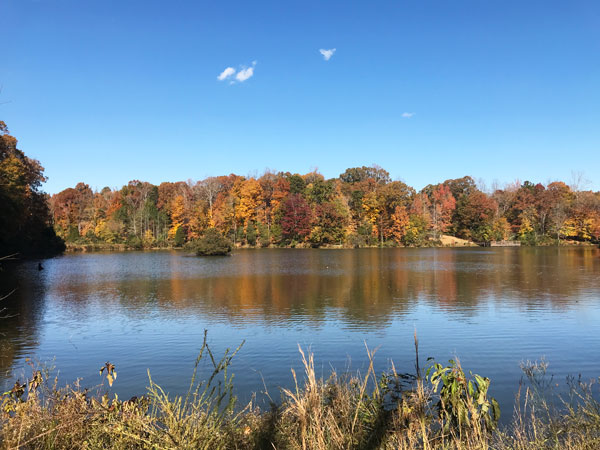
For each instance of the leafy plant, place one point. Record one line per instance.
(463, 403)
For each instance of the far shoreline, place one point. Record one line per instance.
(122, 248)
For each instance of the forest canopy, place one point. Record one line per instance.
(25, 220)
(362, 207)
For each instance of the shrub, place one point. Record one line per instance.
(134, 242)
(212, 243)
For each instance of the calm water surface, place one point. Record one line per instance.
(493, 308)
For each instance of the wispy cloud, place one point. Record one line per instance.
(407, 115)
(327, 54)
(226, 73)
(243, 74)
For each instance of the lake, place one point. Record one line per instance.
(491, 307)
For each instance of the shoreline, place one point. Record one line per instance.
(117, 248)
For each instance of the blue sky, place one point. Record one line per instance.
(109, 91)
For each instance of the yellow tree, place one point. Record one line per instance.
(177, 215)
(569, 228)
(526, 227)
(149, 239)
(104, 232)
(400, 223)
(251, 194)
(226, 205)
(372, 210)
(199, 220)
(501, 229)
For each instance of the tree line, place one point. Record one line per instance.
(361, 207)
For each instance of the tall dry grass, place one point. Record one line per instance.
(442, 408)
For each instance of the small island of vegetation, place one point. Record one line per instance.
(212, 243)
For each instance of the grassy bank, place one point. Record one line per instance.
(441, 407)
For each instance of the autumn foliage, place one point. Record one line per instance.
(363, 206)
(25, 221)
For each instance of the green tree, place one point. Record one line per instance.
(251, 234)
(329, 223)
(297, 184)
(179, 239)
(321, 191)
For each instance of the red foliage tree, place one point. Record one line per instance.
(296, 218)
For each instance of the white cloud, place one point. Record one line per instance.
(226, 73)
(407, 115)
(245, 73)
(327, 54)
